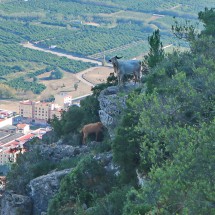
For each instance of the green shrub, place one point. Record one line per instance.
(111, 204)
(101, 147)
(86, 182)
(28, 166)
(68, 163)
(125, 145)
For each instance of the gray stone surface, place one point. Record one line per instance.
(43, 189)
(14, 204)
(56, 153)
(112, 101)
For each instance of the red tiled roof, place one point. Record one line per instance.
(27, 102)
(7, 151)
(22, 139)
(26, 137)
(21, 126)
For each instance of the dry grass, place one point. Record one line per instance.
(9, 105)
(66, 84)
(98, 75)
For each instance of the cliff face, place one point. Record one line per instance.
(112, 102)
(43, 188)
(14, 204)
(57, 151)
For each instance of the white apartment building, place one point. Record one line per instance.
(63, 99)
(23, 128)
(4, 158)
(39, 110)
(5, 122)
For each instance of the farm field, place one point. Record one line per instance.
(95, 75)
(91, 29)
(98, 75)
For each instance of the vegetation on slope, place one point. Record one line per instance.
(166, 136)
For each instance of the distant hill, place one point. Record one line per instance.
(84, 28)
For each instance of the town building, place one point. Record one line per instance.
(26, 108)
(56, 112)
(11, 145)
(63, 99)
(23, 128)
(5, 114)
(43, 111)
(39, 111)
(4, 158)
(5, 122)
(9, 129)
(14, 136)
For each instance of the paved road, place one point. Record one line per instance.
(32, 46)
(78, 75)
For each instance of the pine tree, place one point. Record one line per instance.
(208, 17)
(156, 52)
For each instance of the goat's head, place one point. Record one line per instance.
(113, 60)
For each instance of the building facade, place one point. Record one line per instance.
(5, 122)
(26, 108)
(63, 99)
(23, 128)
(4, 158)
(42, 111)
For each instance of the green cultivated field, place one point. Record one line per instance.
(84, 28)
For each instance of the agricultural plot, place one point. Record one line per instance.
(85, 28)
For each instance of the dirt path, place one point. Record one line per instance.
(80, 75)
(177, 6)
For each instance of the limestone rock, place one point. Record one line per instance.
(43, 189)
(112, 101)
(56, 153)
(14, 204)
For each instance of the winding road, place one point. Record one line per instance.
(78, 75)
(32, 46)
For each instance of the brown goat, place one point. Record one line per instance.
(91, 128)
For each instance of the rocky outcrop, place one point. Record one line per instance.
(112, 101)
(14, 204)
(56, 152)
(43, 189)
(106, 159)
